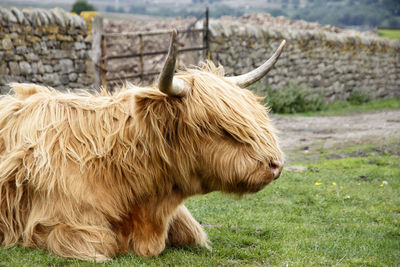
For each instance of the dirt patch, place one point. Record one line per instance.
(313, 135)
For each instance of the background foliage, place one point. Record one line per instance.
(293, 99)
(82, 5)
(361, 13)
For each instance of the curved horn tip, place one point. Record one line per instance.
(167, 84)
(251, 77)
(283, 43)
(174, 33)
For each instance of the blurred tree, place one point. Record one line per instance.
(393, 6)
(138, 9)
(223, 10)
(370, 13)
(276, 12)
(82, 5)
(114, 10)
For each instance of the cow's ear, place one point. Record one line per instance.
(25, 90)
(152, 103)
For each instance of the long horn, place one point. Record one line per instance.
(251, 77)
(166, 83)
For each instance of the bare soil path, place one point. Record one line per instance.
(303, 133)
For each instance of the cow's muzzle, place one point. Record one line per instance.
(276, 168)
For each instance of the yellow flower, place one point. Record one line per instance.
(318, 183)
(334, 183)
(358, 184)
(381, 185)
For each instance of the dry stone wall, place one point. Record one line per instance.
(52, 47)
(48, 47)
(332, 63)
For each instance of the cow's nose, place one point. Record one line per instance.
(276, 168)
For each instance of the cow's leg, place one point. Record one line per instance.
(151, 227)
(185, 230)
(92, 243)
(149, 231)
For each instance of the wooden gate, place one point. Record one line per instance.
(103, 57)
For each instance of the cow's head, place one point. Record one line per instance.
(220, 135)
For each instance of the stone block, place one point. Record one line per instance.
(25, 68)
(43, 45)
(79, 45)
(73, 77)
(48, 68)
(6, 79)
(31, 57)
(82, 54)
(4, 69)
(8, 16)
(36, 47)
(58, 54)
(34, 66)
(84, 79)
(66, 66)
(19, 15)
(81, 67)
(51, 79)
(58, 17)
(62, 37)
(9, 56)
(14, 68)
(40, 67)
(56, 66)
(38, 78)
(64, 79)
(7, 43)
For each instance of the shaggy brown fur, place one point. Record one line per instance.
(90, 176)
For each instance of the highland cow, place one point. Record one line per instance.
(90, 176)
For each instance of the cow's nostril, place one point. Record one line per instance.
(273, 164)
(276, 168)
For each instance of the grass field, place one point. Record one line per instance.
(391, 34)
(343, 211)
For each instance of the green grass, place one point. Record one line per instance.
(391, 34)
(345, 107)
(339, 212)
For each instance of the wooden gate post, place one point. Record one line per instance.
(103, 69)
(205, 36)
(141, 60)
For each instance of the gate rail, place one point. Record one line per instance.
(103, 57)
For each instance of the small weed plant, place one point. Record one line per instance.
(294, 99)
(358, 97)
(297, 99)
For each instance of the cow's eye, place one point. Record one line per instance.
(227, 134)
